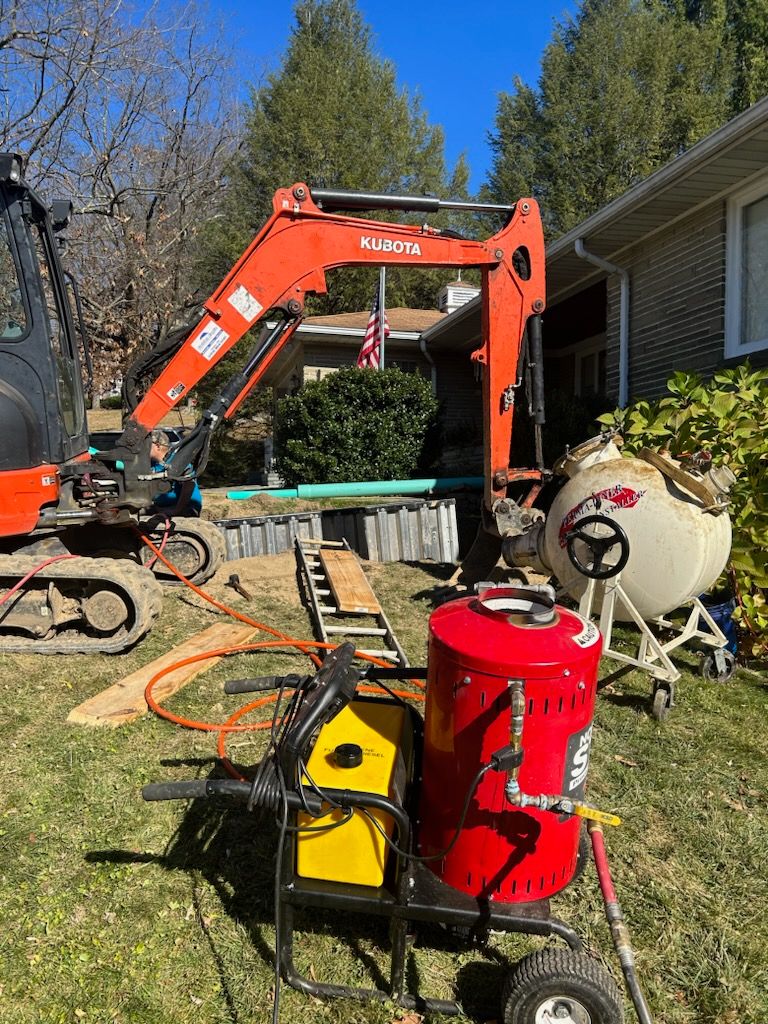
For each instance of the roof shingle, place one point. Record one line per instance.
(400, 319)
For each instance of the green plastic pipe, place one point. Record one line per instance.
(366, 488)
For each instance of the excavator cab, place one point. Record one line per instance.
(71, 572)
(42, 406)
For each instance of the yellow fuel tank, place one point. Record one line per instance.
(375, 733)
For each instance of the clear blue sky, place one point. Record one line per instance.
(458, 57)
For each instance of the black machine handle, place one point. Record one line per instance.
(202, 789)
(259, 683)
(599, 546)
(194, 789)
(374, 672)
(331, 689)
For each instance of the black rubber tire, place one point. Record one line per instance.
(552, 973)
(710, 671)
(195, 539)
(661, 704)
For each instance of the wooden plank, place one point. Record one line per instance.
(351, 589)
(124, 701)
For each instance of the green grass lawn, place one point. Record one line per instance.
(118, 911)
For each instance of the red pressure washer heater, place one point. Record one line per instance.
(481, 650)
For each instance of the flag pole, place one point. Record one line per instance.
(382, 313)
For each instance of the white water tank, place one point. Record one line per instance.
(679, 538)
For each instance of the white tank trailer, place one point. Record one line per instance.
(646, 534)
(675, 520)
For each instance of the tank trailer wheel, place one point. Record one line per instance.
(604, 535)
(662, 703)
(718, 666)
(558, 986)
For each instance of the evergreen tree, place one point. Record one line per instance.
(625, 86)
(747, 28)
(333, 116)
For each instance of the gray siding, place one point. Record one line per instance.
(677, 304)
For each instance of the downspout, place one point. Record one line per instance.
(611, 268)
(431, 361)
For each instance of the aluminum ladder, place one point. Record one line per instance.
(337, 589)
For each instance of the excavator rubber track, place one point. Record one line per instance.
(84, 600)
(196, 547)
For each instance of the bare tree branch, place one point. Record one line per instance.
(135, 121)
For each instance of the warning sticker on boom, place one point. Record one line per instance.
(209, 341)
(246, 305)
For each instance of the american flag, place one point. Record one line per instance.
(369, 356)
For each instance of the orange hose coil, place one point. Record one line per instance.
(283, 640)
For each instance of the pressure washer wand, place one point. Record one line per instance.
(619, 930)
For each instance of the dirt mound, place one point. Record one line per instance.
(270, 576)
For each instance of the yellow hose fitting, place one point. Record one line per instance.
(592, 814)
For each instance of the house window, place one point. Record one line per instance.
(746, 300)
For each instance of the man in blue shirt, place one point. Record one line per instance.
(167, 502)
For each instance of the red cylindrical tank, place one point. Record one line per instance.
(478, 647)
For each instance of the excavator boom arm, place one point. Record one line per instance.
(288, 259)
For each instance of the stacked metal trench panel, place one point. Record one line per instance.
(408, 531)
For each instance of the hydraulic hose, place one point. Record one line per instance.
(233, 724)
(33, 572)
(619, 930)
(163, 542)
(304, 645)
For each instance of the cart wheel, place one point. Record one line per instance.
(718, 666)
(662, 702)
(558, 985)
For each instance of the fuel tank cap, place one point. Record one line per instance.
(348, 755)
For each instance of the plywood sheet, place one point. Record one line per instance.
(352, 592)
(124, 701)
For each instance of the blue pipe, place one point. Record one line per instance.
(366, 488)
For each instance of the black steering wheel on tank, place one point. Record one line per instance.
(598, 544)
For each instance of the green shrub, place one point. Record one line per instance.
(727, 416)
(112, 402)
(357, 425)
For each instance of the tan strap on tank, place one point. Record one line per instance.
(675, 472)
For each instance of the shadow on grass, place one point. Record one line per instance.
(627, 700)
(623, 700)
(234, 852)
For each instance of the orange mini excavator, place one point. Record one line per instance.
(72, 572)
